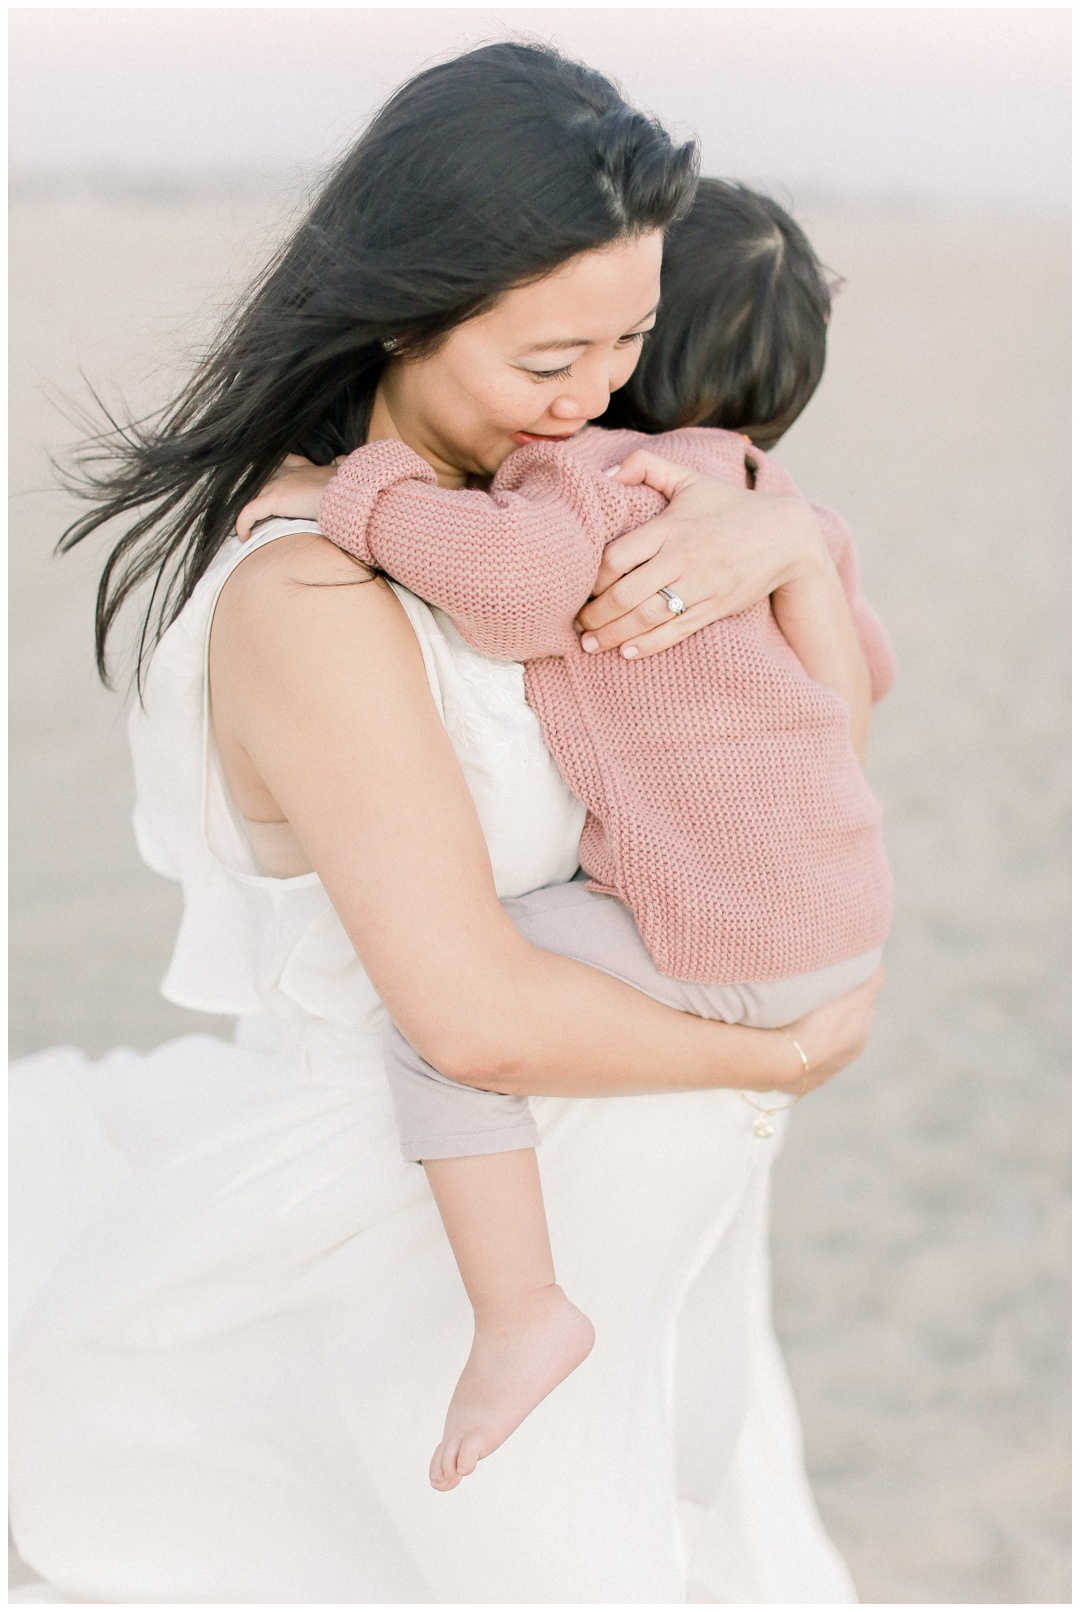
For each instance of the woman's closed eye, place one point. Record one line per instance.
(634, 339)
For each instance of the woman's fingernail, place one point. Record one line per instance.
(629, 651)
(589, 644)
(613, 471)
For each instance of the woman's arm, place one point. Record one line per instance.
(321, 698)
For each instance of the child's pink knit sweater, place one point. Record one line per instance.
(726, 806)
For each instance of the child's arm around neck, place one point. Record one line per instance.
(511, 567)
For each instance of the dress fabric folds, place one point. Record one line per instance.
(238, 1322)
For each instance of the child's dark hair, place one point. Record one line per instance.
(740, 337)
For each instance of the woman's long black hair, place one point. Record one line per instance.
(478, 175)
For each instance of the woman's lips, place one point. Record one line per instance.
(522, 437)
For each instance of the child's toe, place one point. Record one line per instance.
(444, 1473)
(470, 1452)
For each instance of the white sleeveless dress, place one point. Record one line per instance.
(239, 1322)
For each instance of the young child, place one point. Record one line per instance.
(733, 848)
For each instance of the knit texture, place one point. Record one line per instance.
(726, 806)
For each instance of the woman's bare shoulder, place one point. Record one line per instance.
(300, 579)
(299, 559)
(299, 605)
(305, 641)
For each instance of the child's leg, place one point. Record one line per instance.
(477, 1149)
(439, 1118)
(528, 1336)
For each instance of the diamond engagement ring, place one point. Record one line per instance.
(674, 603)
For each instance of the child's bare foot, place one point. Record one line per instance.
(515, 1362)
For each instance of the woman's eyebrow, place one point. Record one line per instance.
(561, 342)
(558, 344)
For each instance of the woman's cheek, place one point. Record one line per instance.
(516, 405)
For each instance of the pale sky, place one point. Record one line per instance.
(947, 102)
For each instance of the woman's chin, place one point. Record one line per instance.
(485, 462)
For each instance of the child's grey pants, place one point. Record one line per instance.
(439, 1118)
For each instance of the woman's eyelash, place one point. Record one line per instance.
(563, 374)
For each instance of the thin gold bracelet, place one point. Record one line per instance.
(762, 1127)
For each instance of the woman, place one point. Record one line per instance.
(237, 1346)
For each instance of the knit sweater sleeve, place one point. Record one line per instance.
(872, 635)
(511, 567)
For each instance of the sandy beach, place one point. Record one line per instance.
(921, 1211)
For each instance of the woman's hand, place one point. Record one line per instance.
(294, 491)
(831, 1036)
(721, 548)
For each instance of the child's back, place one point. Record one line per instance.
(726, 804)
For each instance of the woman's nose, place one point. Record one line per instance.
(588, 399)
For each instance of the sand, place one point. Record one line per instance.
(920, 1240)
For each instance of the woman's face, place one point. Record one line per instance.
(539, 365)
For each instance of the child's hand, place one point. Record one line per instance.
(295, 492)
